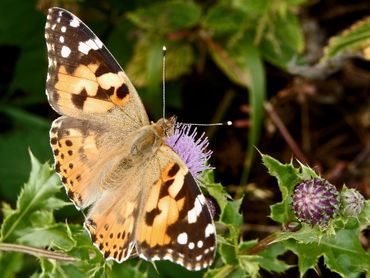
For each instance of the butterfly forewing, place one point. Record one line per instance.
(110, 158)
(83, 77)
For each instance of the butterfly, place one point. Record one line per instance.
(111, 159)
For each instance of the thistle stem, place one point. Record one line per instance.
(37, 252)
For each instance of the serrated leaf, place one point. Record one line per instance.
(41, 218)
(287, 177)
(6, 209)
(353, 39)
(230, 271)
(342, 251)
(169, 15)
(247, 264)
(231, 214)
(228, 254)
(216, 190)
(43, 183)
(55, 236)
(267, 259)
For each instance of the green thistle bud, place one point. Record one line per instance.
(352, 202)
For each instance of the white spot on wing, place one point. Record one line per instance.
(86, 46)
(83, 47)
(61, 39)
(191, 245)
(65, 51)
(198, 258)
(200, 244)
(182, 238)
(98, 42)
(195, 211)
(74, 22)
(210, 229)
(63, 29)
(201, 199)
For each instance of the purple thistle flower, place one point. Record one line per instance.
(315, 202)
(191, 150)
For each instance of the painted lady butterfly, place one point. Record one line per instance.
(110, 158)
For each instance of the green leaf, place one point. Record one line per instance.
(231, 214)
(55, 236)
(342, 252)
(11, 263)
(354, 39)
(169, 15)
(224, 19)
(216, 190)
(283, 40)
(288, 177)
(267, 259)
(43, 183)
(230, 271)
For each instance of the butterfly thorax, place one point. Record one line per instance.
(149, 138)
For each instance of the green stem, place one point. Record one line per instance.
(10, 247)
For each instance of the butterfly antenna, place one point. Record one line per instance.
(164, 49)
(214, 124)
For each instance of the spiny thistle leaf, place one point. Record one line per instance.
(287, 177)
(354, 40)
(33, 198)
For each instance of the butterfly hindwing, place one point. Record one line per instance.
(175, 223)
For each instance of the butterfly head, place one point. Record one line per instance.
(166, 126)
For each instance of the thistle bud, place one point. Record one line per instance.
(315, 202)
(352, 202)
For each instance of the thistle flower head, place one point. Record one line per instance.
(352, 202)
(191, 150)
(315, 202)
